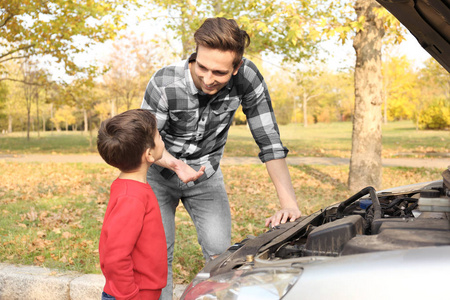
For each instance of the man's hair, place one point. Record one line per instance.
(123, 139)
(224, 35)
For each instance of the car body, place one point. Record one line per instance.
(389, 244)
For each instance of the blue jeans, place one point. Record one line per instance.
(208, 206)
(105, 296)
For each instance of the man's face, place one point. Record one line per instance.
(212, 69)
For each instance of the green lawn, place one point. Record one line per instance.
(400, 139)
(334, 140)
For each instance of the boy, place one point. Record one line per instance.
(133, 255)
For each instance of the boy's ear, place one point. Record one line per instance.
(148, 156)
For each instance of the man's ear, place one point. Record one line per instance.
(237, 68)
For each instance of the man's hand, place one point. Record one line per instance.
(283, 215)
(185, 172)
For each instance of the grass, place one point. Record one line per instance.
(51, 213)
(334, 140)
(400, 139)
(48, 143)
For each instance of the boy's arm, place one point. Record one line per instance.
(185, 172)
(279, 173)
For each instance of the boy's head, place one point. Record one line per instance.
(224, 35)
(123, 139)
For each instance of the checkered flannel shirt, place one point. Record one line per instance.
(197, 134)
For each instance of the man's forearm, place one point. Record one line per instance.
(279, 173)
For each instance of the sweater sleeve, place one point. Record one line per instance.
(124, 227)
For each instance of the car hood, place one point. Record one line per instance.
(428, 21)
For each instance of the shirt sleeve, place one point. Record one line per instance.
(257, 106)
(156, 101)
(125, 225)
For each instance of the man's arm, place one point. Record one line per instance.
(185, 172)
(279, 173)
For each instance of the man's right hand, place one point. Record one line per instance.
(185, 172)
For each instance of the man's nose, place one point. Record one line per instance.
(208, 78)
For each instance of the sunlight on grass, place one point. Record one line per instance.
(400, 139)
(51, 213)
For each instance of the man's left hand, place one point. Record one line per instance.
(283, 215)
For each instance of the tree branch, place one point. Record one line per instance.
(16, 50)
(6, 20)
(22, 81)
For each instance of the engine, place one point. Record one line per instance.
(383, 221)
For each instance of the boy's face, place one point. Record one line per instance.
(158, 151)
(212, 69)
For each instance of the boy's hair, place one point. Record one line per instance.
(123, 139)
(224, 35)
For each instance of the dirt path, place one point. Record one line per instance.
(441, 163)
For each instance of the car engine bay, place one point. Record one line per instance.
(408, 217)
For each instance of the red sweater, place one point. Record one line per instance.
(133, 253)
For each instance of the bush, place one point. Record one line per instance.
(435, 116)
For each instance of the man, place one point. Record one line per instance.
(194, 102)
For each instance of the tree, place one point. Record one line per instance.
(280, 27)
(337, 101)
(435, 95)
(309, 88)
(34, 79)
(57, 28)
(401, 92)
(365, 162)
(130, 65)
(282, 92)
(64, 114)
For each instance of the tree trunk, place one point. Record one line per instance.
(365, 162)
(305, 110)
(37, 113)
(10, 121)
(51, 116)
(113, 107)
(28, 123)
(86, 126)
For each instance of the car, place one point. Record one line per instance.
(388, 244)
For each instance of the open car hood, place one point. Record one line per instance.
(428, 21)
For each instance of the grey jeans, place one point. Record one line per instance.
(207, 204)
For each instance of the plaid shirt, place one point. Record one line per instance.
(196, 131)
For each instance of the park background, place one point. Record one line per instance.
(62, 75)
